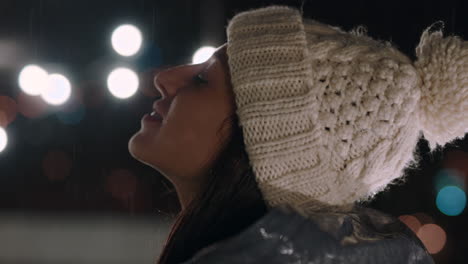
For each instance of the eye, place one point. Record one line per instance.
(198, 79)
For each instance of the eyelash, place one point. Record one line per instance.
(198, 79)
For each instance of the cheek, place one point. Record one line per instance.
(191, 130)
(188, 139)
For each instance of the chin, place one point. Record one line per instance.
(140, 149)
(135, 146)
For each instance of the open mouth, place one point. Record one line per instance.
(153, 117)
(155, 114)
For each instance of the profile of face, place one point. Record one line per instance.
(184, 144)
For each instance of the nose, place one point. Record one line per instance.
(157, 80)
(158, 85)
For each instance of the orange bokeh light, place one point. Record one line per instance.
(121, 183)
(8, 110)
(411, 221)
(31, 106)
(57, 165)
(433, 237)
(457, 160)
(424, 218)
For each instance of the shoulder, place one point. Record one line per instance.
(284, 236)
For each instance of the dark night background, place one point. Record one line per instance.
(74, 158)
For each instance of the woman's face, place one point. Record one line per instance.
(183, 145)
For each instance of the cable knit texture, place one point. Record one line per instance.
(331, 117)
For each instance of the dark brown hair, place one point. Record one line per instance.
(229, 202)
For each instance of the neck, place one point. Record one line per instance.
(186, 192)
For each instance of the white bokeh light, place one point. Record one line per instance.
(3, 139)
(32, 79)
(202, 54)
(126, 40)
(58, 89)
(122, 83)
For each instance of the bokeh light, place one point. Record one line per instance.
(73, 115)
(33, 79)
(122, 83)
(446, 177)
(411, 221)
(3, 139)
(57, 91)
(57, 165)
(423, 218)
(451, 200)
(121, 183)
(457, 160)
(202, 54)
(3, 118)
(433, 237)
(31, 106)
(8, 110)
(126, 40)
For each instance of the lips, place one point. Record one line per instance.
(152, 118)
(158, 109)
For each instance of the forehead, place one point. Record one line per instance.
(220, 54)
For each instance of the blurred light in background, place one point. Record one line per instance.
(73, 115)
(57, 165)
(122, 185)
(423, 218)
(451, 200)
(411, 221)
(433, 237)
(12, 51)
(126, 40)
(58, 90)
(3, 139)
(33, 79)
(122, 83)
(31, 106)
(8, 110)
(202, 54)
(457, 160)
(448, 177)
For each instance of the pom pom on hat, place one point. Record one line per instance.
(443, 66)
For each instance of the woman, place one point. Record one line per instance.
(274, 141)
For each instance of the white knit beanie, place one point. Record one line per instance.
(332, 117)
